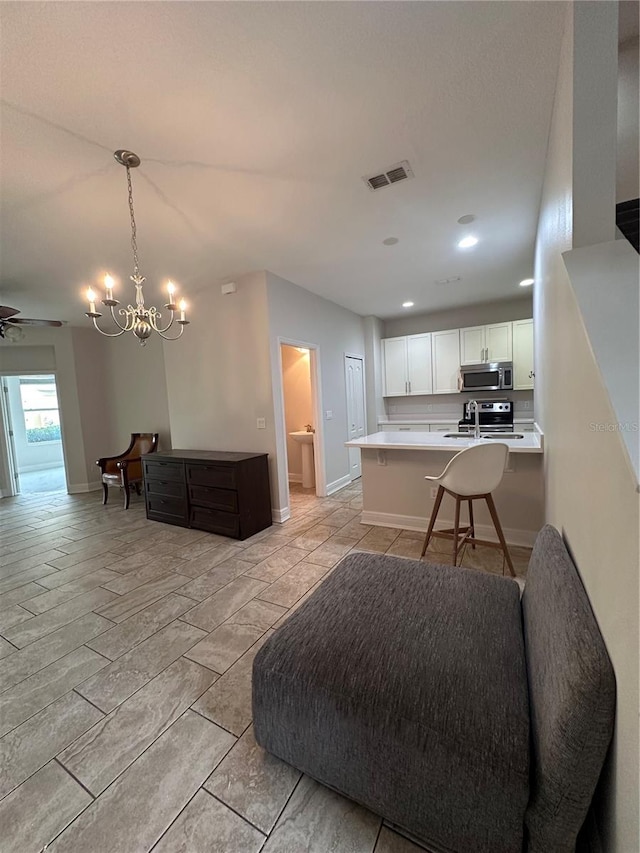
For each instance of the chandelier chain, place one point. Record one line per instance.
(134, 242)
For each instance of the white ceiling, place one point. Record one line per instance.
(255, 123)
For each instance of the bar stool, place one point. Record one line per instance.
(471, 475)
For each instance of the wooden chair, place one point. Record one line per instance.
(125, 470)
(471, 475)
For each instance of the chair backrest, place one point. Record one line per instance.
(476, 470)
(142, 442)
(572, 695)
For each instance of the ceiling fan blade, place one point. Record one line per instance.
(25, 321)
(6, 312)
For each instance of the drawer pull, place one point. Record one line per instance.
(404, 429)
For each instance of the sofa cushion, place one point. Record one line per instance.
(572, 696)
(403, 686)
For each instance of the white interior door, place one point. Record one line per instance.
(354, 374)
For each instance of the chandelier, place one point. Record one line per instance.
(140, 320)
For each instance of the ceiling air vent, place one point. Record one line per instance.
(392, 175)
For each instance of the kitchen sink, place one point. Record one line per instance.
(496, 435)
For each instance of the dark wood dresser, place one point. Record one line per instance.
(222, 492)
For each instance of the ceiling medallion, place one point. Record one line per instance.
(140, 320)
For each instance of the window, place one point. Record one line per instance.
(40, 407)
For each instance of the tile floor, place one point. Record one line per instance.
(125, 679)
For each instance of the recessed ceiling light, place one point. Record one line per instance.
(526, 282)
(466, 219)
(390, 241)
(467, 242)
(408, 304)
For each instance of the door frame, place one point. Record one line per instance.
(361, 358)
(282, 462)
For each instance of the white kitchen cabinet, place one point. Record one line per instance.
(445, 347)
(451, 427)
(403, 427)
(407, 365)
(480, 344)
(523, 364)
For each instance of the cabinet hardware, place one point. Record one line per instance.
(409, 386)
(531, 374)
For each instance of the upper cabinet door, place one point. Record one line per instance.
(446, 361)
(394, 351)
(472, 345)
(523, 355)
(419, 364)
(498, 342)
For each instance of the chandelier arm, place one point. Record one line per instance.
(152, 319)
(109, 334)
(167, 338)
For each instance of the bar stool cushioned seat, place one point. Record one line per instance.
(404, 686)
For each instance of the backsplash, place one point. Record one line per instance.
(447, 406)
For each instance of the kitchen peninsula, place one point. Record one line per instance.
(395, 493)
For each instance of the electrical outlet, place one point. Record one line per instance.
(261, 423)
(434, 492)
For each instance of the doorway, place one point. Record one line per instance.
(354, 380)
(298, 415)
(31, 417)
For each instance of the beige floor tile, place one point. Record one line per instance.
(277, 564)
(20, 593)
(213, 611)
(124, 606)
(260, 551)
(30, 696)
(210, 559)
(205, 585)
(120, 679)
(39, 626)
(229, 641)
(33, 814)
(123, 637)
(228, 701)
(29, 747)
(411, 548)
(391, 842)
(316, 820)
(255, 784)
(6, 648)
(156, 567)
(86, 567)
(47, 601)
(21, 664)
(378, 539)
(13, 615)
(208, 826)
(22, 565)
(330, 552)
(37, 573)
(107, 749)
(310, 540)
(134, 812)
(293, 585)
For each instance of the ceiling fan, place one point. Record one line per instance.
(10, 323)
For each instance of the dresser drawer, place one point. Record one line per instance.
(157, 470)
(224, 523)
(222, 476)
(175, 508)
(166, 488)
(223, 499)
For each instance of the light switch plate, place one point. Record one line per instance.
(329, 414)
(261, 423)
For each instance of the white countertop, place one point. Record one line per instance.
(531, 443)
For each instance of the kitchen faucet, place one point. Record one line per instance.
(309, 428)
(475, 408)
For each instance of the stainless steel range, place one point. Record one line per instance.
(494, 415)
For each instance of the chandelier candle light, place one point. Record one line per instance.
(139, 320)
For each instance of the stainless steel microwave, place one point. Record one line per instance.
(491, 376)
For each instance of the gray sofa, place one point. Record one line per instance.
(437, 698)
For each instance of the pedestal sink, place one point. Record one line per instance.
(308, 471)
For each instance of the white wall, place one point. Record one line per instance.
(373, 369)
(298, 315)
(591, 493)
(502, 311)
(627, 175)
(219, 374)
(298, 408)
(136, 385)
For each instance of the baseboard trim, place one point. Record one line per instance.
(334, 487)
(82, 488)
(295, 478)
(281, 515)
(5, 493)
(513, 536)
